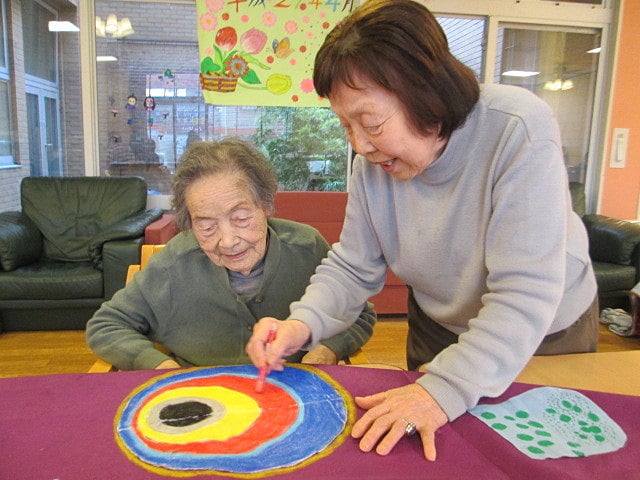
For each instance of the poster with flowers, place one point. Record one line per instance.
(261, 52)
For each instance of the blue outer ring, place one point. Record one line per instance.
(322, 417)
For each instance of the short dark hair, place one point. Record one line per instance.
(202, 159)
(399, 45)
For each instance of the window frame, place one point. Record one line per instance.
(6, 161)
(45, 89)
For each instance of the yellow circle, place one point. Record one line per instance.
(241, 412)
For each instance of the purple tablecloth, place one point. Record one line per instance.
(61, 427)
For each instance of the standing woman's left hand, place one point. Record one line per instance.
(388, 414)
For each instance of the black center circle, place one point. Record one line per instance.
(181, 415)
(185, 413)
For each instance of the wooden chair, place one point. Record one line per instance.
(100, 366)
(145, 255)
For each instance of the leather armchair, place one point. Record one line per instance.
(614, 248)
(69, 248)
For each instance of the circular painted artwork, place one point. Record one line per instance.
(212, 421)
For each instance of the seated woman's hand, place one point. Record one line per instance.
(388, 415)
(321, 355)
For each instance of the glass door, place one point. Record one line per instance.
(560, 66)
(44, 136)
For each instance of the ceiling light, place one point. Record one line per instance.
(553, 85)
(100, 27)
(595, 50)
(519, 73)
(113, 27)
(106, 58)
(56, 26)
(558, 85)
(567, 85)
(124, 28)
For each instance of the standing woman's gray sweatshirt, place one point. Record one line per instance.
(485, 236)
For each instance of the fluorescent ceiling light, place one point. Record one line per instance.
(519, 73)
(55, 26)
(106, 58)
(595, 50)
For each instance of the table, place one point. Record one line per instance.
(613, 372)
(61, 427)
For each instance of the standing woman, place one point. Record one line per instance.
(462, 191)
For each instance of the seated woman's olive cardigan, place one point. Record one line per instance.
(184, 302)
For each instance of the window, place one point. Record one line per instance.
(560, 66)
(40, 56)
(42, 90)
(150, 107)
(466, 37)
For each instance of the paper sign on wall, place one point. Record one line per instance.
(261, 52)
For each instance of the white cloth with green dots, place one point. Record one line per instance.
(550, 422)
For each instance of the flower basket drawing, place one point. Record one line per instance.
(226, 64)
(218, 83)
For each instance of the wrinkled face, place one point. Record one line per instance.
(228, 224)
(378, 127)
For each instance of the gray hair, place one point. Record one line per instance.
(231, 155)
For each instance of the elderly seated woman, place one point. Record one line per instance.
(231, 265)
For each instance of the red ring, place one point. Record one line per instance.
(279, 411)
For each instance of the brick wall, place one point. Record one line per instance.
(10, 177)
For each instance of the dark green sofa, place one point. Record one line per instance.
(68, 250)
(614, 248)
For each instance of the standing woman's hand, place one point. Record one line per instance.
(390, 413)
(290, 336)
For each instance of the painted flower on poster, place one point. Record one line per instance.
(279, 83)
(215, 5)
(228, 59)
(208, 22)
(253, 41)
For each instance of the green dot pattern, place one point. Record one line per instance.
(538, 438)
